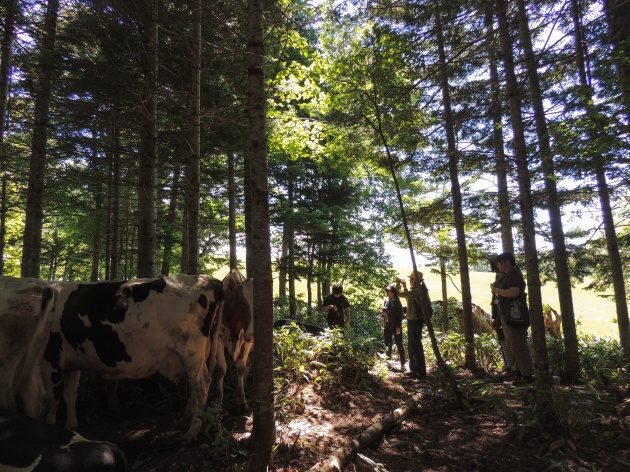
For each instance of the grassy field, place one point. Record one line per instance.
(594, 315)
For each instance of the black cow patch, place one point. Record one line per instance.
(83, 317)
(31, 445)
(140, 292)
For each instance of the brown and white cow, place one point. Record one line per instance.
(25, 308)
(132, 330)
(234, 333)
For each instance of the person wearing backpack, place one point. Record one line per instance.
(393, 314)
(512, 289)
(415, 323)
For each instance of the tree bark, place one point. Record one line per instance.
(453, 163)
(498, 143)
(194, 170)
(169, 239)
(444, 294)
(263, 432)
(147, 184)
(618, 16)
(6, 55)
(541, 361)
(232, 210)
(34, 219)
(612, 244)
(561, 258)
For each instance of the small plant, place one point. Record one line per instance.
(217, 440)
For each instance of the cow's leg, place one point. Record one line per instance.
(221, 369)
(198, 386)
(70, 388)
(241, 371)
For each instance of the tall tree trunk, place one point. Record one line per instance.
(282, 265)
(453, 163)
(147, 188)
(444, 294)
(618, 16)
(616, 266)
(194, 171)
(169, 238)
(263, 432)
(561, 258)
(498, 143)
(97, 192)
(6, 54)
(115, 200)
(232, 210)
(34, 220)
(541, 361)
(291, 249)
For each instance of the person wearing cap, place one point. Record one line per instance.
(338, 308)
(393, 314)
(415, 323)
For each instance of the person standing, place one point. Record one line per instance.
(516, 338)
(496, 318)
(338, 308)
(393, 314)
(415, 323)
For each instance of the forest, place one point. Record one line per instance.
(296, 139)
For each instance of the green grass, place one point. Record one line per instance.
(594, 315)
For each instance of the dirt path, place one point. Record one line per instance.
(437, 437)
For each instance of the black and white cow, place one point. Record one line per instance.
(130, 330)
(234, 333)
(29, 445)
(25, 308)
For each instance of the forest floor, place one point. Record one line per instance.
(494, 430)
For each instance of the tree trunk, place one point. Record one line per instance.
(616, 266)
(169, 238)
(263, 432)
(561, 258)
(193, 179)
(5, 68)
(34, 219)
(498, 144)
(541, 362)
(97, 191)
(618, 16)
(291, 249)
(147, 188)
(444, 294)
(282, 265)
(453, 163)
(232, 210)
(115, 200)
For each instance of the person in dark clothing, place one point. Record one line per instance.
(496, 317)
(415, 322)
(511, 286)
(338, 308)
(393, 314)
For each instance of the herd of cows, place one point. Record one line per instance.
(181, 326)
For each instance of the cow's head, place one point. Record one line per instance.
(238, 310)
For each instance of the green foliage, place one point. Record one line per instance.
(216, 439)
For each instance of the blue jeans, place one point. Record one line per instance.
(417, 363)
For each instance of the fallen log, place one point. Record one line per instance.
(344, 454)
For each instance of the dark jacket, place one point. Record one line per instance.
(394, 311)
